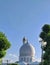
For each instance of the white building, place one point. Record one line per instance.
(26, 53)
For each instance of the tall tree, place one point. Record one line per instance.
(45, 35)
(4, 44)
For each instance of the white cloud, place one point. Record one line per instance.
(13, 55)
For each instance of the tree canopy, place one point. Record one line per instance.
(4, 44)
(45, 35)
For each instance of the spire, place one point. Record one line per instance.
(25, 40)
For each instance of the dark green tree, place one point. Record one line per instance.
(45, 36)
(4, 45)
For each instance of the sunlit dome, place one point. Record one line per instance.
(27, 50)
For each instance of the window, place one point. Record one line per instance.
(27, 59)
(21, 59)
(24, 59)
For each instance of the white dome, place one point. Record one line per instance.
(27, 50)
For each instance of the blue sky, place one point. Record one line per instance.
(19, 18)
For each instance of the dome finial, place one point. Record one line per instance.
(25, 40)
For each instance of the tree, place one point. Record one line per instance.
(45, 36)
(4, 44)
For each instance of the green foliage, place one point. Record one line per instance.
(48, 37)
(46, 28)
(13, 64)
(45, 62)
(2, 53)
(4, 44)
(45, 35)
